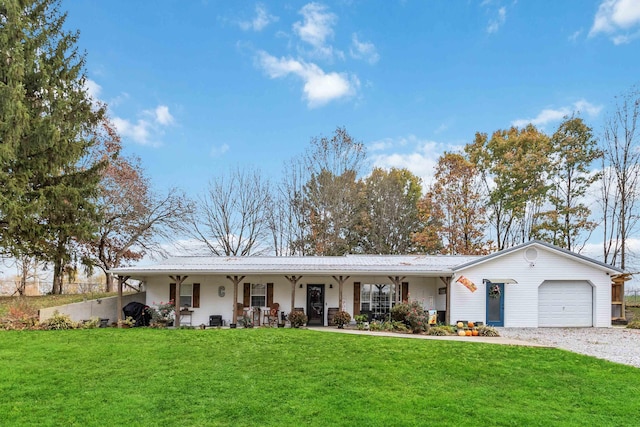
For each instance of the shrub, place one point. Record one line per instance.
(487, 331)
(394, 326)
(399, 312)
(92, 323)
(635, 324)
(59, 322)
(342, 318)
(440, 331)
(297, 319)
(416, 318)
(376, 325)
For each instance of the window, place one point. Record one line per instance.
(186, 296)
(258, 295)
(378, 298)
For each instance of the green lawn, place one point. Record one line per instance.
(288, 377)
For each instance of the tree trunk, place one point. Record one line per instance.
(109, 282)
(58, 275)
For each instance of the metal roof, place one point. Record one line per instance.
(557, 249)
(422, 265)
(349, 264)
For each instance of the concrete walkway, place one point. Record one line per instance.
(486, 340)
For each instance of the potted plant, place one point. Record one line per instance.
(246, 322)
(126, 323)
(342, 318)
(361, 321)
(297, 319)
(164, 313)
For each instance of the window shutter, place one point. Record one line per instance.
(172, 292)
(246, 297)
(356, 298)
(405, 292)
(269, 294)
(196, 295)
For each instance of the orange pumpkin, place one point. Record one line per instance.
(471, 324)
(461, 333)
(474, 332)
(467, 333)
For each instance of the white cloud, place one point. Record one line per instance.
(319, 87)
(573, 37)
(217, 151)
(163, 116)
(549, 115)
(139, 132)
(420, 159)
(316, 27)
(498, 21)
(147, 130)
(363, 50)
(93, 89)
(260, 21)
(617, 18)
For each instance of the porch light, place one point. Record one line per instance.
(504, 281)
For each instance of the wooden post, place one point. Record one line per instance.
(235, 280)
(121, 280)
(293, 280)
(176, 303)
(447, 308)
(340, 280)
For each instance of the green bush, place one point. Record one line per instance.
(92, 323)
(59, 322)
(399, 312)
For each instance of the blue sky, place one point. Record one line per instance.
(195, 87)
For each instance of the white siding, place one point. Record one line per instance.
(423, 289)
(521, 299)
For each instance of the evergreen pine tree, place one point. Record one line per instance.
(48, 126)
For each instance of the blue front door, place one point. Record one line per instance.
(495, 304)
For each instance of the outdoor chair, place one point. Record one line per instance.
(270, 317)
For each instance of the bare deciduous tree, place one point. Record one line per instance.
(621, 177)
(232, 218)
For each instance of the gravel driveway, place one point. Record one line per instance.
(616, 344)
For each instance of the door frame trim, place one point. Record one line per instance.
(324, 300)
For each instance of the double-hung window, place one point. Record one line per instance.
(186, 296)
(258, 295)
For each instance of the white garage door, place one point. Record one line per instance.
(568, 304)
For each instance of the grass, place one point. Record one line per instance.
(45, 301)
(285, 377)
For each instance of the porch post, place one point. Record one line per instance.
(176, 303)
(340, 280)
(293, 280)
(121, 280)
(447, 308)
(235, 280)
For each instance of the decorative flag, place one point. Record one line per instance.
(468, 283)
